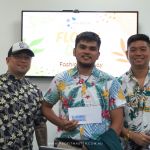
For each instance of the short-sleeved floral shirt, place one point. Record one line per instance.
(137, 108)
(75, 90)
(20, 103)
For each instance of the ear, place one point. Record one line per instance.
(74, 52)
(126, 53)
(7, 60)
(98, 55)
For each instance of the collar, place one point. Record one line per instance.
(75, 71)
(130, 76)
(13, 78)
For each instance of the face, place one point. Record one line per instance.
(19, 64)
(86, 53)
(138, 54)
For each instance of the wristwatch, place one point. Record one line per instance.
(126, 137)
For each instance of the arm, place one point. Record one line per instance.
(139, 138)
(52, 117)
(41, 134)
(116, 116)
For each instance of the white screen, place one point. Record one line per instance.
(51, 36)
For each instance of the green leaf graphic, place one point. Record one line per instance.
(73, 93)
(35, 51)
(88, 85)
(35, 42)
(77, 104)
(24, 40)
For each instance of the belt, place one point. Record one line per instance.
(72, 142)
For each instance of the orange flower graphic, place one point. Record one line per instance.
(61, 86)
(83, 90)
(106, 94)
(81, 131)
(121, 96)
(123, 49)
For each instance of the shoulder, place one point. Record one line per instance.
(124, 78)
(106, 76)
(65, 74)
(3, 79)
(3, 76)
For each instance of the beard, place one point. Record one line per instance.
(86, 65)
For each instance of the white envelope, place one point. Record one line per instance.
(86, 115)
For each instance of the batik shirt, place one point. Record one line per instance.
(75, 90)
(20, 103)
(137, 109)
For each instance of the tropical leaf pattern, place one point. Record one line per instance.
(70, 134)
(136, 111)
(74, 90)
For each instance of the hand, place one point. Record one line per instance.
(85, 148)
(141, 138)
(69, 125)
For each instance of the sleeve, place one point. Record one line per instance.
(39, 119)
(52, 94)
(116, 97)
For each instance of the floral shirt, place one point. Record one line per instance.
(20, 103)
(74, 90)
(137, 109)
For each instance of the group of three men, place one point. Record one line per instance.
(22, 108)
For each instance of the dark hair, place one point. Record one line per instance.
(88, 36)
(137, 37)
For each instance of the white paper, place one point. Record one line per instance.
(86, 114)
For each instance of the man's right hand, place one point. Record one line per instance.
(69, 125)
(140, 138)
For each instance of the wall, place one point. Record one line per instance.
(10, 26)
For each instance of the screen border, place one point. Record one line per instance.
(73, 11)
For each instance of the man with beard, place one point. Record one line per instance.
(84, 86)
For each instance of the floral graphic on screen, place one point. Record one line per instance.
(123, 50)
(35, 42)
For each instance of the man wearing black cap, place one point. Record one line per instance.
(20, 103)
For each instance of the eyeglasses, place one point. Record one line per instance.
(20, 57)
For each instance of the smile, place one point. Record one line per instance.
(138, 59)
(86, 57)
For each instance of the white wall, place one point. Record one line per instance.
(10, 26)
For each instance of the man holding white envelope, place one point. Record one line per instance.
(91, 101)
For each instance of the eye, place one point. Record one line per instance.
(92, 48)
(28, 58)
(132, 50)
(82, 47)
(17, 56)
(143, 49)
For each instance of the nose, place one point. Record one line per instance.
(138, 52)
(23, 59)
(87, 50)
